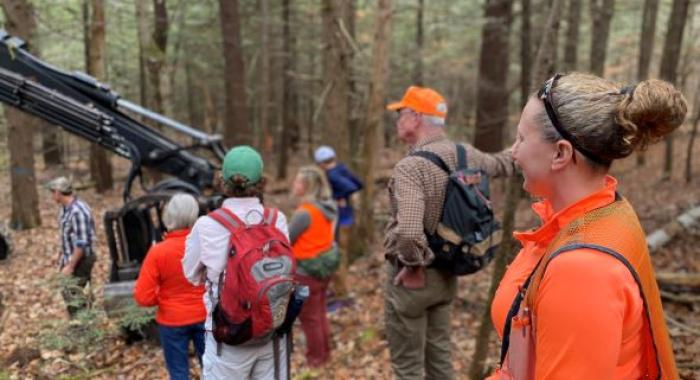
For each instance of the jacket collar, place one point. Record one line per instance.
(241, 202)
(552, 222)
(177, 233)
(428, 140)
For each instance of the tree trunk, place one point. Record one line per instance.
(492, 89)
(143, 32)
(646, 50)
(554, 42)
(503, 256)
(355, 100)
(418, 63)
(312, 89)
(505, 250)
(572, 32)
(237, 130)
(689, 153)
(601, 16)
(686, 65)
(289, 98)
(371, 130)
(155, 58)
(646, 40)
(691, 140)
(335, 126)
(210, 111)
(50, 134)
(669, 64)
(51, 145)
(175, 60)
(192, 98)
(20, 22)
(543, 61)
(100, 166)
(52, 150)
(525, 51)
(266, 138)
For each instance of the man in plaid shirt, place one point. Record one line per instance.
(418, 298)
(77, 234)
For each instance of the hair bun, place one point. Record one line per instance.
(655, 109)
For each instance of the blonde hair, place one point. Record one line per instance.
(610, 121)
(316, 187)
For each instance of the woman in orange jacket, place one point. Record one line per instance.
(162, 283)
(312, 234)
(580, 300)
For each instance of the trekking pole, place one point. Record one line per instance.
(289, 349)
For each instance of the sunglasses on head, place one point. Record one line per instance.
(546, 95)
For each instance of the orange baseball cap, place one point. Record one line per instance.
(422, 100)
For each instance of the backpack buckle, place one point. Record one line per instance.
(471, 179)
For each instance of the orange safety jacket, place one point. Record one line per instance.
(317, 238)
(613, 229)
(162, 283)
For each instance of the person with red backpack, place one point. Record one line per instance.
(242, 254)
(312, 233)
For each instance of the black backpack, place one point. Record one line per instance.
(468, 234)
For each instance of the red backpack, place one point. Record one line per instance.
(255, 289)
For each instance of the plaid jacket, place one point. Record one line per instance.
(417, 192)
(77, 229)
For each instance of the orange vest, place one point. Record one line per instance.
(600, 229)
(317, 238)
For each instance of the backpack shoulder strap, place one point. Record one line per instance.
(515, 306)
(461, 157)
(432, 157)
(512, 312)
(270, 216)
(227, 219)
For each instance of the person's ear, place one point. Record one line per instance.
(563, 154)
(416, 119)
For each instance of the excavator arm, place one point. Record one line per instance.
(87, 108)
(83, 106)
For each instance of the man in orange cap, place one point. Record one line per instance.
(418, 297)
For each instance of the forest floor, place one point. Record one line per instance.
(30, 301)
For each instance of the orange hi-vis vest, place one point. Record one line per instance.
(615, 230)
(317, 238)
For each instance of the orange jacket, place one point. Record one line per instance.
(590, 316)
(162, 283)
(317, 238)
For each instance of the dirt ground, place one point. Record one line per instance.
(359, 348)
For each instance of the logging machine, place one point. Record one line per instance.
(81, 105)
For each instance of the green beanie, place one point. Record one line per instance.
(243, 161)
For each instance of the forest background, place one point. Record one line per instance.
(288, 75)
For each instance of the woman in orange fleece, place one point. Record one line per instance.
(162, 283)
(312, 234)
(580, 300)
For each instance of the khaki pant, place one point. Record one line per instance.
(252, 362)
(418, 326)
